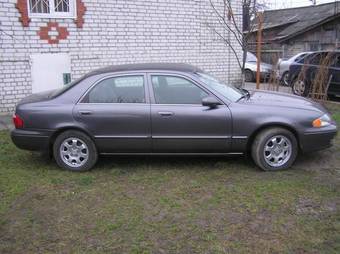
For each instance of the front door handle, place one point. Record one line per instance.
(85, 112)
(166, 113)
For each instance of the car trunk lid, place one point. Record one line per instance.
(37, 97)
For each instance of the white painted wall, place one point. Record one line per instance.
(47, 70)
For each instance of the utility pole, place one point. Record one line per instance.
(336, 24)
(258, 49)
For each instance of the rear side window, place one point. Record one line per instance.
(337, 61)
(176, 90)
(125, 89)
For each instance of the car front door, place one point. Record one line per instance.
(180, 123)
(116, 111)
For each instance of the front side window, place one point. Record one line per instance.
(51, 8)
(176, 90)
(127, 89)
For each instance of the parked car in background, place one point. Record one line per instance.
(250, 69)
(303, 72)
(283, 67)
(168, 109)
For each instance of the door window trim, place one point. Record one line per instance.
(152, 94)
(145, 84)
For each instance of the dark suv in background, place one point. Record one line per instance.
(316, 66)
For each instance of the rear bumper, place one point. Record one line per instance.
(317, 140)
(31, 140)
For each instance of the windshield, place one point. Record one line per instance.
(229, 92)
(251, 57)
(300, 57)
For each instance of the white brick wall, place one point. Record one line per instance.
(116, 32)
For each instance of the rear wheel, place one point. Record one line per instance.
(75, 151)
(274, 149)
(300, 87)
(285, 78)
(248, 76)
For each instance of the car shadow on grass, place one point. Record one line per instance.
(132, 163)
(187, 163)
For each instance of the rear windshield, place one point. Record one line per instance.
(66, 87)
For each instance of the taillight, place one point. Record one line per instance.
(18, 122)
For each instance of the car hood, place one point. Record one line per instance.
(283, 100)
(265, 65)
(36, 97)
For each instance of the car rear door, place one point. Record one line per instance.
(334, 73)
(116, 111)
(180, 124)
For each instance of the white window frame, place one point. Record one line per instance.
(52, 14)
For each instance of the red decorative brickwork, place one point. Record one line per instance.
(23, 9)
(53, 33)
(81, 9)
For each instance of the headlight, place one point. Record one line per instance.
(322, 121)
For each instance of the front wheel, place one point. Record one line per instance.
(274, 149)
(75, 151)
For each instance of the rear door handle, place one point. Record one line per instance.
(166, 113)
(85, 112)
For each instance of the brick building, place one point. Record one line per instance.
(45, 43)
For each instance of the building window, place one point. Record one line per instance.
(52, 8)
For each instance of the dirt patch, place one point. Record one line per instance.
(317, 210)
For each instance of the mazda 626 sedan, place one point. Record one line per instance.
(168, 109)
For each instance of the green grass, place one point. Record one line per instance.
(170, 205)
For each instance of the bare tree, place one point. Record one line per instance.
(229, 28)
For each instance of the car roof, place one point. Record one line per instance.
(325, 51)
(178, 67)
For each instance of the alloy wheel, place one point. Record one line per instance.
(299, 87)
(74, 152)
(277, 151)
(285, 79)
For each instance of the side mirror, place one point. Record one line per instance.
(210, 102)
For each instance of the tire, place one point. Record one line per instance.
(332, 97)
(284, 79)
(248, 76)
(75, 151)
(264, 150)
(300, 87)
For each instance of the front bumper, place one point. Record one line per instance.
(314, 140)
(37, 140)
(265, 75)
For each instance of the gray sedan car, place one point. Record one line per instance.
(168, 109)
